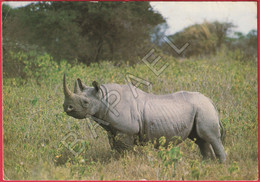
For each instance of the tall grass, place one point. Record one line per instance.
(34, 122)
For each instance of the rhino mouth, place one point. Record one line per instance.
(100, 121)
(74, 115)
(87, 116)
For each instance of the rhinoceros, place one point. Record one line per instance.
(131, 116)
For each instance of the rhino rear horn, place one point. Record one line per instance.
(77, 89)
(67, 92)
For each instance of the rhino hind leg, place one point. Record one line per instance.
(211, 135)
(219, 150)
(205, 149)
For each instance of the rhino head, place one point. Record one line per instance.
(84, 101)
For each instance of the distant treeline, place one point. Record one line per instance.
(119, 31)
(209, 37)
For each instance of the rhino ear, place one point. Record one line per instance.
(96, 85)
(82, 86)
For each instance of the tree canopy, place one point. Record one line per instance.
(86, 31)
(205, 38)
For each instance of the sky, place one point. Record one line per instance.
(180, 15)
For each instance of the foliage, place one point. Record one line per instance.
(85, 31)
(169, 157)
(246, 45)
(92, 31)
(209, 38)
(205, 38)
(34, 123)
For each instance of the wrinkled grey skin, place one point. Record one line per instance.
(148, 117)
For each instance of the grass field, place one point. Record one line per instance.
(34, 123)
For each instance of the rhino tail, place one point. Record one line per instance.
(223, 131)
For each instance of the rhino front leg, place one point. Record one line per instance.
(121, 141)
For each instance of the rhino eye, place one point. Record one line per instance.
(70, 108)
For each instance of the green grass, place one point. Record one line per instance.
(34, 122)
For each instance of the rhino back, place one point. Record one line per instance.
(168, 115)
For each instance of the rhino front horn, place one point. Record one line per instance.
(67, 92)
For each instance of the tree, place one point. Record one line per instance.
(87, 31)
(221, 30)
(205, 38)
(245, 43)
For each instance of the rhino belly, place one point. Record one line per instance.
(168, 118)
